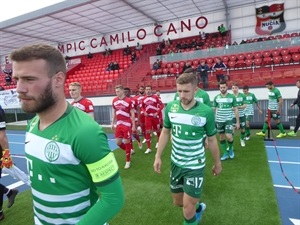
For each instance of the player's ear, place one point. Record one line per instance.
(59, 79)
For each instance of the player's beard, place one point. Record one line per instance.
(185, 101)
(43, 102)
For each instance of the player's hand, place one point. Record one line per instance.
(260, 112)
(157, 165)
(6, 159)
(237, 126)
(292, 105)
(217, 169)
(112, 126)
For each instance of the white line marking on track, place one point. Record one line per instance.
(295, 221)
(16, 143)
(10, 134)
(285, 186)
(15, 185)
(285, 162)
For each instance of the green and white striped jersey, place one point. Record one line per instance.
(224, 105)
(62, 186)
(274, 96)
(240, 100)
(188, 131)
(200, 96)
(250, 100)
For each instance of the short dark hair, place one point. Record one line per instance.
(127, 89)
(246, 87)
(269, 83)
(55, 60)
(189, 70)
(223, 82)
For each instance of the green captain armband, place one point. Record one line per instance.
(104, 168)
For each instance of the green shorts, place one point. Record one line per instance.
(249, 117)
(274, 115)
(225, 127)
(242, 122)
(186, 180)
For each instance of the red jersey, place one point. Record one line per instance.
(139, 100)
(135, 105)
(122, 109)
(151, 105)
(84, 104)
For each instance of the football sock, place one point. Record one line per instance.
(223, 146)
(191, 221)
(230, 144)
(198, 207)
(242, 135)
(265, 127)
(128, 152)
(148, 139)
(122, 146)
(279, 125)
(247, 132)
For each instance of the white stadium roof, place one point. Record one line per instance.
(72, 20)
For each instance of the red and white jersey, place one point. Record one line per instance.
(135, 105)
(84, 104)
(139, 100)
(122, 109)
(160, 114)
(151, 105)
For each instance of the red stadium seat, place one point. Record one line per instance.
(240, 57)
(159, 71)
(286, 36)
(275, 52)
(249, 55)
(277, 59)
(225, 58)
(257, 55)
(249, 62)
(284, 51)
(266, 54)
(257, 62)
(232, 57)
(195, 62)
(169, 65)
(294, 50)
(153, 72)
(209, 60)
(240, 63)
(165, 71)
(267, 61)
(294, 34)
(296, 57)
(231, 64)
(286, 59)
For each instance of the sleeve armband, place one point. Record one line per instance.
(104, 168)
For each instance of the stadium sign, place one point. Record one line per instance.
(270, 19)
(134, 36)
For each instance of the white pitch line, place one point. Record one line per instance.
(285, 186)
(285, 162)
(288, 147)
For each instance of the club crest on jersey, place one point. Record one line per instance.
(52, 151)
(174, 108)
(270, 19)
(196, 120)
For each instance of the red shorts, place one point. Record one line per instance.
(123, 132)
(151, 123)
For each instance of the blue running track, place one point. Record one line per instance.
(287, 198)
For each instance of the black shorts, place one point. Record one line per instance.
(2, 119)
